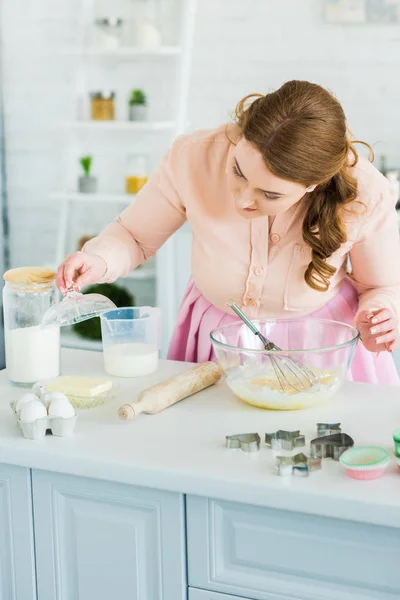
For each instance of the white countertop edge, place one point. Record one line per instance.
(188, 483)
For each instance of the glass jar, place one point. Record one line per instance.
(108, 33)
(102, 106)
(32, 352)
(145, 26)
(137, 174)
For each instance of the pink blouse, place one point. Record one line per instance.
(241, 259)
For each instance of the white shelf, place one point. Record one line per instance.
(144, 126)
(127, 52)
(95, 198)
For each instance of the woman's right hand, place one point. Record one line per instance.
(80, 269)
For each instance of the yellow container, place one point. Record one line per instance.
(102, 107)
(134, 183)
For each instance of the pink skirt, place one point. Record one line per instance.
(197, 318)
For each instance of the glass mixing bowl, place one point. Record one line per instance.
(325, 347)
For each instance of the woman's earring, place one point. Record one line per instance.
(311, 189)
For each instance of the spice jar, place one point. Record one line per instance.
(137, 174)
(102, 106)
(32, 352)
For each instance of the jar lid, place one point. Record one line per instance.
(29, 275)
(107, 95)
(109, 22)
(75, 308)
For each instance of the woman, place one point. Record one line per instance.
(278, 202)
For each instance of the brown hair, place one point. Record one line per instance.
(301, 132)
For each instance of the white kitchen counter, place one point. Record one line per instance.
(182, 448)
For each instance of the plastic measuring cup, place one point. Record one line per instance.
(131, 338)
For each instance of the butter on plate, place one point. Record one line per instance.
(79, 387)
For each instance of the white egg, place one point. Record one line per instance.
(49, 397)
(32, 411)
(25, 399)
(60, 408)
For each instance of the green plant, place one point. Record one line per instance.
(86, 162)
(138, 97)
(91, 329)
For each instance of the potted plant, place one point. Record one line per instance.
(86, 183)
(138, 106)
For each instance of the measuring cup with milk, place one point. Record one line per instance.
(131, 338)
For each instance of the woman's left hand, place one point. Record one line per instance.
(378, 329)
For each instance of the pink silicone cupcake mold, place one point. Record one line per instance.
(365, 462)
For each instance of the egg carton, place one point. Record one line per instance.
(36, 430)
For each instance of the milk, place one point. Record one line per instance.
(130, 360)
(32, 353)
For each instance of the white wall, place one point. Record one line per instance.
(250, 46)
(41, 82)
(240, 47)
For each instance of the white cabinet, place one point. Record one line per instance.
(102, 540)
(266, 554)
(89, 539)
(163, 73)
(17, 567)
(204, 595)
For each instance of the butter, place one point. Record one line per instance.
(79, 387)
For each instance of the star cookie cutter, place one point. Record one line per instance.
(324, 429)
(248, 442)
(285, 440)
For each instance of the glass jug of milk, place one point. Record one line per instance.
(131, 339)
(32, 352)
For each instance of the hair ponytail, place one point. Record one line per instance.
(300, 130)
(323, 229)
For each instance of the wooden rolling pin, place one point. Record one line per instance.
(160, 396)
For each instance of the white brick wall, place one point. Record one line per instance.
(255, 46)
(240, 47)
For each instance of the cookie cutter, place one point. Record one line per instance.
(300, 464)
(285, 440)
(248, 442)
(328, 429)
(331, 446)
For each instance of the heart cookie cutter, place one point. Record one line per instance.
(331, 446)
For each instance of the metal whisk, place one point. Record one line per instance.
(290, 372)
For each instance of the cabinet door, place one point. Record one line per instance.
(102, 540)
(17, 564)
(267, 554)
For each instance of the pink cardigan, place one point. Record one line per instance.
(239, 259)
